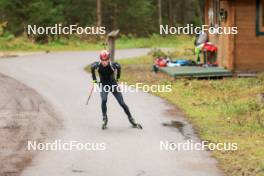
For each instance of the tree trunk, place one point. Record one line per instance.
(198, 12)
(98, 13)
(182, 12)
(170, 13)
(160, 12)
(115, 17)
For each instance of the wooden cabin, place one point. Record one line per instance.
(243, 52)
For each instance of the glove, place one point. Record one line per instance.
(95, 81)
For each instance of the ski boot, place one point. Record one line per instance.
(134, 124)
(105, 120)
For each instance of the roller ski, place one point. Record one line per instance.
(134, 124)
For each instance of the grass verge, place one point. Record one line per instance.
(226, 110)
(23, 44)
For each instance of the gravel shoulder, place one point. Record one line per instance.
(24, 116)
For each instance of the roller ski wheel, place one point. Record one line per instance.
(134, 124)
(138, 126)
(104, 127)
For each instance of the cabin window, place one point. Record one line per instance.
(260, 17)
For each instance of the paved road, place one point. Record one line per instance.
(60, 78)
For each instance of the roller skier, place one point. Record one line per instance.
(109, 73)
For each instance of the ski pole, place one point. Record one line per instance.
(90, 94)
